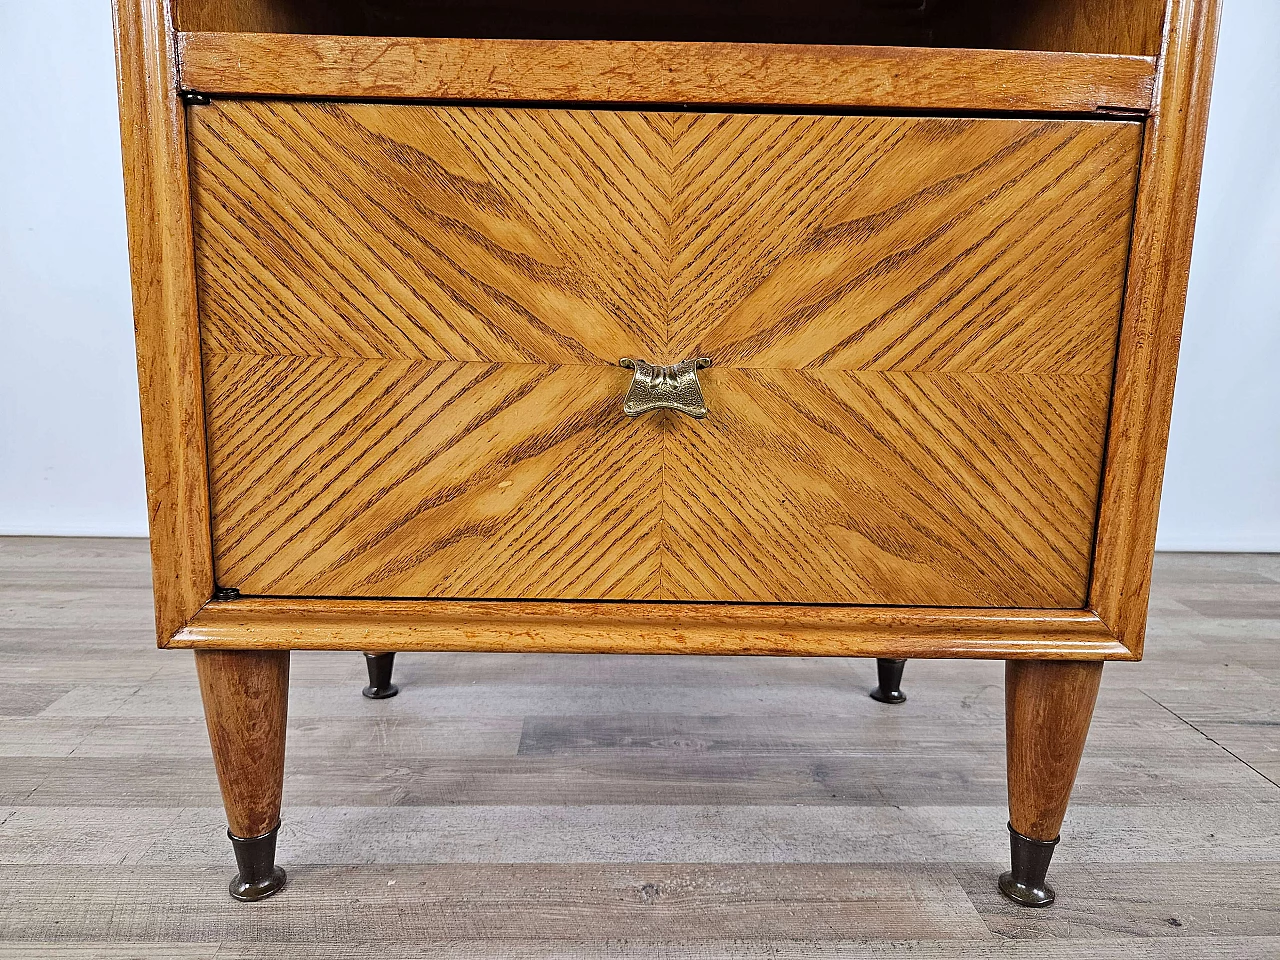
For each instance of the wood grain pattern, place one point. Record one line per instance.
(411, 318)
(246, 702)
(153, 141)
(1048, 707)
(666, 628)
(648, 72)
(1164, 225)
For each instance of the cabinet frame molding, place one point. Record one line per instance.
(760, 629)
(166, 319)
(652, 72)
(1110, 627)
(1151, 321)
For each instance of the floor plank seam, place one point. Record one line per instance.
(1226, 750)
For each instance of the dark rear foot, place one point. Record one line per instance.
(890, 676)
(380, 686)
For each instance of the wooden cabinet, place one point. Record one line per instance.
(386, 265)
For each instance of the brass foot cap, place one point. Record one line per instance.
(1025, 894)
(893, 696)
(250, 890)
(381, 693)
(257, 876)
(1025, 883)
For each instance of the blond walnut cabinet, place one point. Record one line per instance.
(892, 291)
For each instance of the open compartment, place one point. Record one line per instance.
(1130, 27)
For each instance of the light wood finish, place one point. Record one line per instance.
(559, 627)
(411, 362)
(519, 802)
(1048, 707)
(244, 64)
(246, 703)
(1147, 352)
(153, 141)
(1164, 225)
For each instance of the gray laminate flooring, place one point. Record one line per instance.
(589, 806)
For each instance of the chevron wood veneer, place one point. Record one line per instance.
(411, 318)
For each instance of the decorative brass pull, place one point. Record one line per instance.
(673, 387)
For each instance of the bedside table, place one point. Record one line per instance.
(844, 330)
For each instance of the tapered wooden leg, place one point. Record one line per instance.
(380, 686)
(1048, 706)
(246, 698)
(889, 675)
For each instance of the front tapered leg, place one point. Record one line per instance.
(1048, 706)
(246, 697)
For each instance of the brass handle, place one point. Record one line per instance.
(673, 387)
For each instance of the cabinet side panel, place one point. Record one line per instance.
(1156, 294)
(153, 140)
(259, 16)
(1088, 26)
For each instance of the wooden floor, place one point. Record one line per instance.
(556, 806)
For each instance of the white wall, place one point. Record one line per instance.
(70, 444)
(1222, 481)
(70, 453)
